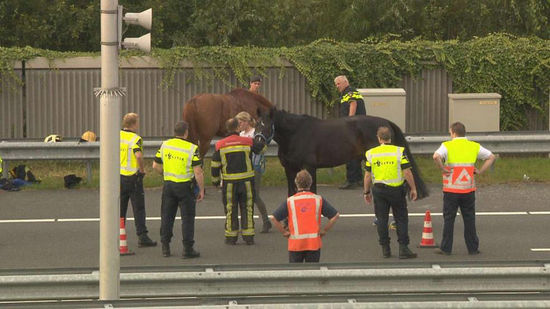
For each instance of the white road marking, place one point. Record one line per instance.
(484, 213)
(539, 212)
(540, 249)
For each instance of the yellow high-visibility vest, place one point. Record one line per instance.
(385, 162)
(461, 159)
(177, 157)
(128, 161)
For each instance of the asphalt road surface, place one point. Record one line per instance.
(58, 229)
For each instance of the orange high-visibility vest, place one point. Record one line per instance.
(461, 157)
(304, 221)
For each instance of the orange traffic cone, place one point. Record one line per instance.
(123, 243)
(427, 233)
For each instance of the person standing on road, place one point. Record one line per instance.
(255, 84)
(351, 104)
(132, 171)
(179, 162)
(304, 210)
(232, 161)
(388, 168)
(247, 129)
(456, 159)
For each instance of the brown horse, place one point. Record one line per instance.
(207, 113)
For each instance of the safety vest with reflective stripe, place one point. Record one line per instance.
(177, 158)
(237, 148)
(128, 161)
(1, 169)
(304, 221)
(461, 159)
(385, 162)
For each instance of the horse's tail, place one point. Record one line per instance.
(399, 139)
(189, 114)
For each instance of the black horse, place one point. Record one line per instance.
(311, 143)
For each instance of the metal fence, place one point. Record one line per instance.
(57, 97)
(266, 281)
(504, 143)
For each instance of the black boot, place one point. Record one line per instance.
(386, 251)
(145, 241)
(266, 227)
(406, 253)
(190, 253)
(165, 249)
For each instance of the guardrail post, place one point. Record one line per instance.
(89, 171)
(4, 169)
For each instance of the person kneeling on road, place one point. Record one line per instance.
(304, 210)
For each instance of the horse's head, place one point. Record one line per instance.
(265, 127)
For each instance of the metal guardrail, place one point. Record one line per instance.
(497, 142)
(281, 282)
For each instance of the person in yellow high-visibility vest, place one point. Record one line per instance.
(456, 159)
(179, 162)
(388, 168)
(132, 171)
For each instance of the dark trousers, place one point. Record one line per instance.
(238, 196)
(395, 197)
(353, 171)
(467, 203)
(178, 195)
(304, 256)
(257, 199)
(131, 189)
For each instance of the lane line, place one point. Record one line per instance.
(27, 221)
(539, 212)
(540, 249)
(485, 213)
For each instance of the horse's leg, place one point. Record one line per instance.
(313, 172)
(290, 176)
(204, 145)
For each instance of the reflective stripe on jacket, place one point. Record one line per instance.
(304, 221)
(128, 162)
(461, 159)
(385, 162)
(233, 158)
(177, 158)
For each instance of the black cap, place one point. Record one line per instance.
(256, 78)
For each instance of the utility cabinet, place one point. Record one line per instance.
(389, 103)
(479, 112)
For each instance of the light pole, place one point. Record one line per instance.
(110, 115)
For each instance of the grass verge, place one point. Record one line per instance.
(508, 169)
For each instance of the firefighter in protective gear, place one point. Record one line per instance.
(179, 162)
(456, 159)
(304, 210)
(231, 163)
(132, 171)
(387, 168)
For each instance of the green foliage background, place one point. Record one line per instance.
(517, 68)
(73, 25)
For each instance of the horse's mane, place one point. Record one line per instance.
(292, 122)
(243, 95)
